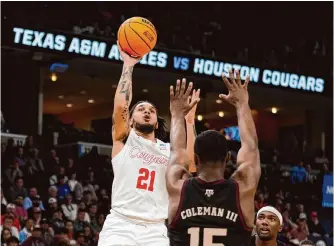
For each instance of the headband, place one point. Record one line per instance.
(271, 210)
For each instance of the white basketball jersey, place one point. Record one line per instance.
(139, 187)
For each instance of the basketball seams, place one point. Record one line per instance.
(153, 30)
(140, 36)
(127, 39)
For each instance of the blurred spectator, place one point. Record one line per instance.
(20, 212)
(5, 235)
(310, 177)
(300, 231)
(51, 162)
(35, 172)
(52, 193)
(37, 216)
(70, 209)
(18, 189)
(35, 238)
(78, 192)
(298, 173)
(80, 223)
(29, 146)
(70, 229)
(8, 224)
(316, 229)
(70, 168)
(54, 179)
(10, 212)
(20, 159)
(52, 208)
(57, 221)
(63, 188)
(73, 182)
(47, 232)
(33, 196)
(12, 241)
(27, 230)
(13, 172)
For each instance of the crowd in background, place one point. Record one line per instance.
(61, 199)
(258, 36)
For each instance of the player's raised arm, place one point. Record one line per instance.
(122, 101)
(191, 131)
(248, 159)
(179, 107)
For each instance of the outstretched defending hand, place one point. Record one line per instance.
(190, 117)
(180, 104)
(237, 92)
(128, 60)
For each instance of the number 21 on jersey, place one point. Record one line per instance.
(208, 234)
(145, 179)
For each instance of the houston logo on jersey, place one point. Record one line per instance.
(147, 158)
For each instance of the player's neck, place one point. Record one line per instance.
(211, 173)
(148, 136)
(258, 242)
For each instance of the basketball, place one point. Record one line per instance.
(137, 36)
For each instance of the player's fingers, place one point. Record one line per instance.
(183, 87)
(227, 83)
(188, 91)
(171, 92)
(246, 81)
(223, 96)
(194, 102)
(238, 78)
(177, 88)
(231, 75)
(198, 92)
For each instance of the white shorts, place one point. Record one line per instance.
(119, 230)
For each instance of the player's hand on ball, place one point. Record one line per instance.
(237, 92)
(190, 117)
(127, 60)
(180, 104)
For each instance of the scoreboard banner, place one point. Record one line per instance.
(71, 45)
(327, 191)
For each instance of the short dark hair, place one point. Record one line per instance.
(211, 146)
(161, 132)
(12, 239)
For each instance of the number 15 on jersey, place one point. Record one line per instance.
(208, 234)
(145, 180)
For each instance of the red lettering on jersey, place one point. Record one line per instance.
(147, 158)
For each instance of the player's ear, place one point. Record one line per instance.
(157, 125)
(227, 157)
(196, 159)
(280, 228)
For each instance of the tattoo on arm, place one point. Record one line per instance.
(125, 82)
(125, 89)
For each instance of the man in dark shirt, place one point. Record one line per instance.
(314, 226)
(268, 224)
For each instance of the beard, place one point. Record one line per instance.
(144, 128)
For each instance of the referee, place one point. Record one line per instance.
(268, 224)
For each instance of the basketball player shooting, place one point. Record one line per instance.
(208, 210)
(139, 159)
